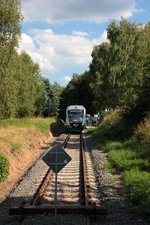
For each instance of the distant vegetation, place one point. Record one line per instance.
(24, 91)
(118, 76)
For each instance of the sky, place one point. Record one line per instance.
(60, 35)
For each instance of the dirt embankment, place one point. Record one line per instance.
(31, 142)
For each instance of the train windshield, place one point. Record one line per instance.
(75, 116)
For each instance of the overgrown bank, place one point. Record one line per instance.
(128, 151)
(21, 142)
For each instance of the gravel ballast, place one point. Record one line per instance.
(110, 196)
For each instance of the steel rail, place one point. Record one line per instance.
(86, 205)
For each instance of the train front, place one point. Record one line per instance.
(75, 120)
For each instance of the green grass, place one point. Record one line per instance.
(15, 147)
(115, 145)
(42, 124)
(108, 167)
(137, 190)
(128, 152)
(123, 160)
(142, 136)
(4, 167)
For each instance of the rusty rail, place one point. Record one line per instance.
(86, 207)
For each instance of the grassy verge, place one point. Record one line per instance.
(40, 123)
(18, 135)
(4, 167)
(129, 156)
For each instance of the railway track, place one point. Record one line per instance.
(76, 188)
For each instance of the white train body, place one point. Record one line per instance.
(75, 118)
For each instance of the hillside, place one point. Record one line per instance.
(21, 142)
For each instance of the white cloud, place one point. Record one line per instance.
(55, 52)
(67, 78)
(79, 33)
(60, 11)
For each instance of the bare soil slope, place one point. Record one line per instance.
(32, 144)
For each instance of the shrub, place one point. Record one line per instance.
(123, 159)
(142, 135)
(137, 190)
(4, 167)
(115, 145)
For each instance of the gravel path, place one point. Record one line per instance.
(111, 197)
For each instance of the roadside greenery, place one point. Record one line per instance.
(4, 167)
(43, 124)
(128, 156)
(40, 125)
(137, 191)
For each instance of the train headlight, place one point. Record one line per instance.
(75, 125)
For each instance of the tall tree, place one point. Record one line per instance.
(99, 76)
(10, 24)
(10, 18)
(31, 90)
(77, 92)
(126, 61)
(52, 100)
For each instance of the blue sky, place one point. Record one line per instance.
(60, 35)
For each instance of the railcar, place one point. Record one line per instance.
(75, 118)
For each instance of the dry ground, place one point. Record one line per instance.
(32, 144)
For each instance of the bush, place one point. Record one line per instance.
(142, 135)
(123, 159)
(115, 145)
(112, 128)
(137, 190)
(4, 167)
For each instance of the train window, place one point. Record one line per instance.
(75, 116)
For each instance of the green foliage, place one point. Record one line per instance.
(4, 167)
(115, 145)
(15, 147)
(10, 19)
(142, 136)
(42, 124)
(52, 99)
(10, 25)
(124, 159)
(137, 190)
(22, 90)
(30, 87)
(111, 128)
(127, 156)
(72, 96)
(108, 167)
(118, 76)
(58, 88)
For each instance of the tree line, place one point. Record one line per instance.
(23, 90)
(118, 75)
